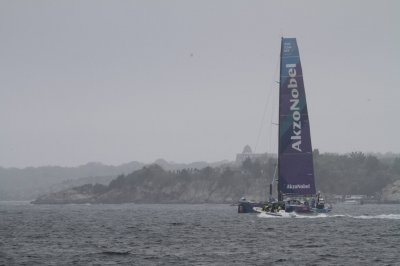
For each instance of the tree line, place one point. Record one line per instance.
(343, 174)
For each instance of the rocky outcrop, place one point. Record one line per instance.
(84, 194)
(391, 193)
(154, 185)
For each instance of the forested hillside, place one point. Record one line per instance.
(354, 173)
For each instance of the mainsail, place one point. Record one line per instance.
(295, 159)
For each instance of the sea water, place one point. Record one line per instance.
(205, 234)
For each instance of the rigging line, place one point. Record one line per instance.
(272, 144)
(266, 106)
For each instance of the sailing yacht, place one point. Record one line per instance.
(296, 180)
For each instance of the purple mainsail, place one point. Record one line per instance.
(295, 163)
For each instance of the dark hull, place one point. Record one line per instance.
(298, 209)
(305, 210)
(247, 207)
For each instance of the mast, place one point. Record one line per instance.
(280, 196)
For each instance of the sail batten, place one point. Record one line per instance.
(295, 166)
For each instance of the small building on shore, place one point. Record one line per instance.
(248, 154)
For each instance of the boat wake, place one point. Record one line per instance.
(324, 215)
(281, 214)
(380, 216)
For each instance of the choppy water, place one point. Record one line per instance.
(133, 234)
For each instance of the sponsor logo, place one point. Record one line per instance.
(287, 47)
(294, 107)
(298, 186)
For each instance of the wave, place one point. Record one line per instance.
(118, 253)
(324, 215)
(380, 216)
(281, 214)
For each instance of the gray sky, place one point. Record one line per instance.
(117, 81)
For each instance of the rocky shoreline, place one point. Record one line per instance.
(154, 185)
(391, 193)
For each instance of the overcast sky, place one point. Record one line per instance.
(118, 81)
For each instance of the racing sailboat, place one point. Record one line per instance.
(295, 182)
